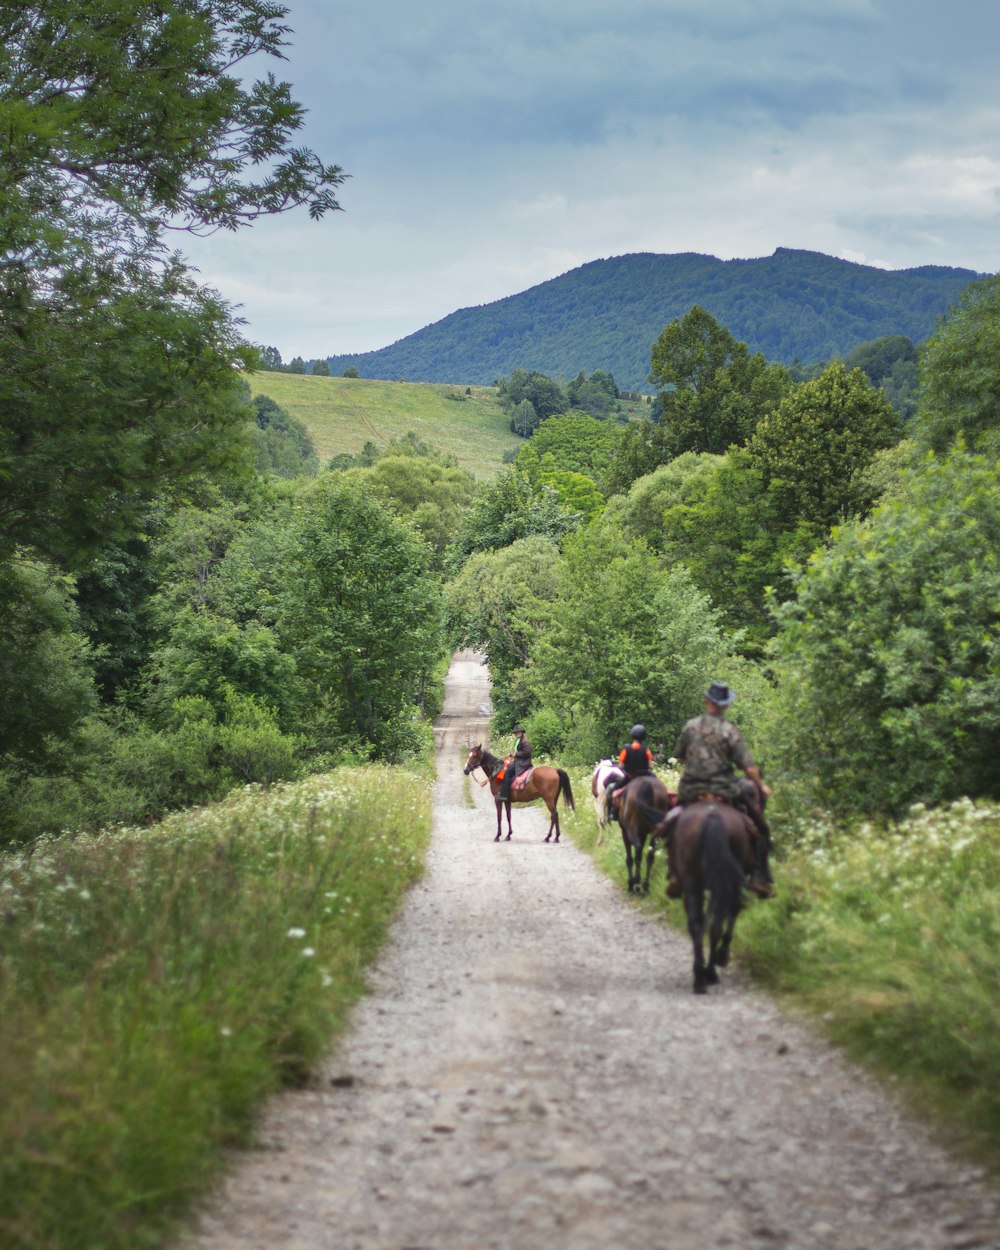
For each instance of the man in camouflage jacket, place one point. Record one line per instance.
(711, 748)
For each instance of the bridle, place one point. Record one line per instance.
(470, 772)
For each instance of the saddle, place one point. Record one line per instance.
(522, 780)
(708, 797)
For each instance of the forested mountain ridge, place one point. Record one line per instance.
(794, 305)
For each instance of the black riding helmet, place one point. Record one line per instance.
(639, 732)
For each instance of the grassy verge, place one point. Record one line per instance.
(157, 985)
(888, 938)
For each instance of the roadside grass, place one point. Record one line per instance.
(888, 939)
(157, 985)
(342, 414)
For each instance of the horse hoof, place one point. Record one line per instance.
(711, 976)
(497, 838)
(700, 987)
(507, 838)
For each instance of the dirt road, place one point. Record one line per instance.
(532, 1071)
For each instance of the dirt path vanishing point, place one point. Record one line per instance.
(532, 1072)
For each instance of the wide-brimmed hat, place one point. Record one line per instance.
(720, 694)
(518, 729)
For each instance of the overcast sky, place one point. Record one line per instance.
(493, 144)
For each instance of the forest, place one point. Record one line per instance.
(794, 307)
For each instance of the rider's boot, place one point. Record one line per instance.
(761, 881)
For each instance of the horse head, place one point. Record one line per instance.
(474, 761)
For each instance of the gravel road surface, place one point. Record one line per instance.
(531, 1070)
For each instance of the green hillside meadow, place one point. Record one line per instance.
(342, 414)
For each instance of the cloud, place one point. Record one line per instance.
(493, 146)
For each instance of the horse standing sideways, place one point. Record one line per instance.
(603, 773)
(711, 849)
(543, 782)
(642, 805)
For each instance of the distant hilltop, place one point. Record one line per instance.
(794, 305)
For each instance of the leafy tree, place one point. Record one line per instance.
(890, 362)
(570, 441)
(960, 376)
(434, 497)
(714, 392)
(888, 658)
(811, 450)
(284, 446)
(118, 371)
(625, 638)
(524, 419)
(270, 359)
(119, 120)
(576, 491)
(296, 365)
(44, 664)
(642, 447)
(359, 615)
(497, 603)
(544, 395)
(319, 369)
(351, 372)
(594, 395)
(511, 507)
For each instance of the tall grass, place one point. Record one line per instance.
(157, 985)
(889, 936)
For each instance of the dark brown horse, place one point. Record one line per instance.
(710, 850)
(544, 782)
(641, 806)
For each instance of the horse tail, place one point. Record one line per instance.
(723, 875)
(565, 788)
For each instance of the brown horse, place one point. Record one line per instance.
(641, 804)
(543, 782)
(710, 849)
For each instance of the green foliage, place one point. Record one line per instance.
(45, 671)
(811, 449)
(888, 936)
(594, 395)
(160, 984)
(530, 398)
(714, 392)
(605, 316)
(106, 395)
(119, 121)
(625, 639)
(283, 445)
(570, 441)
(497, 603)
(511, 507)
(960, 376)
(434, 497)
(888, 658)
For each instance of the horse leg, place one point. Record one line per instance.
(715, 959)
(499, 803)
(694, 905)
(600, 803)
(650, 856)
(722, 959)
(628, 861)
(555, 815)
(509, 829)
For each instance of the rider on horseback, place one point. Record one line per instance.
(635, 760)
(516, 764)
(710, 748)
